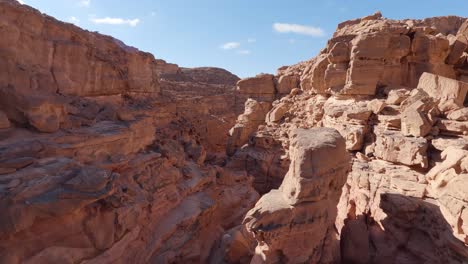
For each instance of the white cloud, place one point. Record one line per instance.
(230, 45)
(251, 40)
(84, 3)
(244, 52)
(298, 29)
(21, 2)
(73, 20)
(116, 21)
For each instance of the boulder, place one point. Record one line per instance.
(286, 83)
(376, 106)
(247, 123)
(395, 147)
(395, 97)
(277, 113)
(459, 115)
(450, 93)
(293, 222)
(260, 84)
(458, 45)
(452, 127)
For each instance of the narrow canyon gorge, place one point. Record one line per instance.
(110, 155)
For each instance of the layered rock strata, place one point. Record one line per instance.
(291, 224)
(396, 91)
(101, 159)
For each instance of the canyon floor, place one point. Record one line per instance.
(358, 155)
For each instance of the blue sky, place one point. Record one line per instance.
(245, 37)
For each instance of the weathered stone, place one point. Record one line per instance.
(247, 123)
(450, 93)
(4, 122)
(286, 83)
(451, 127)
(394, 147)
(376, 106)
(459, 115)
(458, 45)
(261, 84)
(395, 97)
(415, 123)
(60, 57)
(277, 112)
(442, 143)
(294, 221)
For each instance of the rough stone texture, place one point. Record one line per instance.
(247, 123)
(108, 155)
(286, 83)
(45, 55)
(261, 85)
(103, 161)
(418, 114)
(390, 88)
(4, 122)
(366, 54)
(394, 147)
(450, 93)
(292, 223)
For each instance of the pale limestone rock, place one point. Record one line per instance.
(389, 122)
(415, 123)
(301, 183)
(452, 128)
(450, 93)
(277, 113)
(376, 106)
(448, 183)
(403, 220)
(395, 97)
(394, 147)
(442, 143)
(350, 118)
(459, 115)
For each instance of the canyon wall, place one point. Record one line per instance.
(108, 155)
(396, 91)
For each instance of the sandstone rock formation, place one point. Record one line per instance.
(101, 159)
(108, 155)
(292, 223)
(396, 92)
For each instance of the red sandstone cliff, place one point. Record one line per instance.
(108, 155)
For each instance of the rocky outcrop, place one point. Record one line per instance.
(293, 223)
(101, 159)
(395, 91)
(247, 123)
(108, 155)
(44, 55)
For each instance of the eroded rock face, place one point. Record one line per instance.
(366, 54)
(292, 223)
(108, 155)
(395, 91)
(45, 55)
(101, 161)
